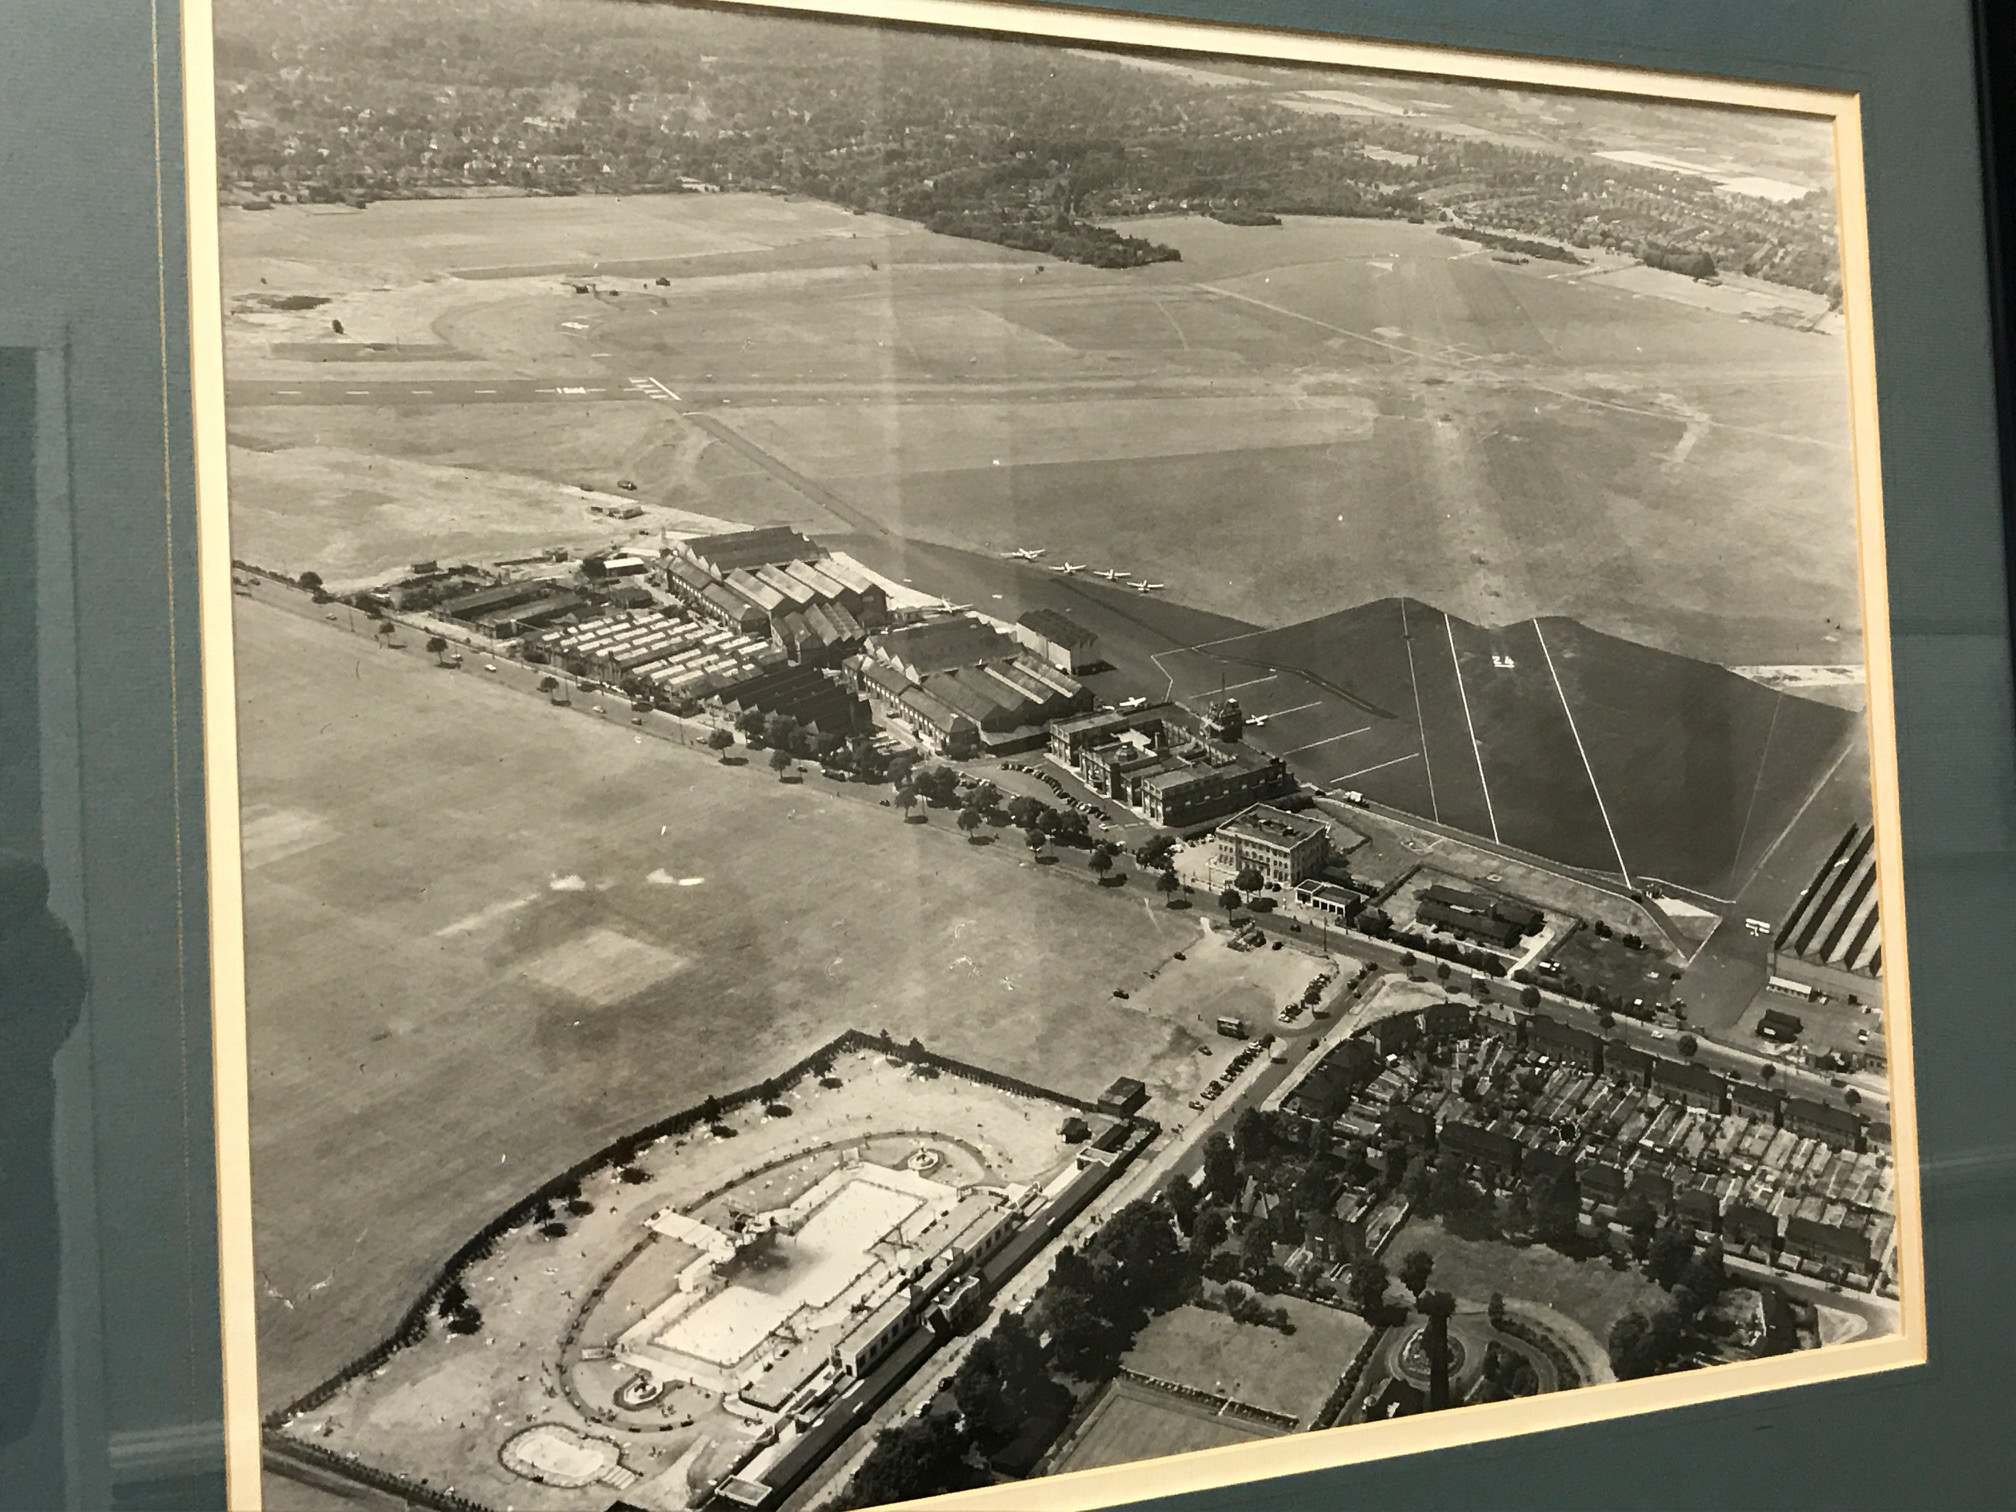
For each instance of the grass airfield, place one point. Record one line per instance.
(1291, 421)
(485, 936)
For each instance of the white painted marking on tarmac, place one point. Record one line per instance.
(1380, 767)
(1601, 807)
(358, 392)
(1315, 703)
(1328, 740)
(1475, 749)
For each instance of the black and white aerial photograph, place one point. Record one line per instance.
(966, 757)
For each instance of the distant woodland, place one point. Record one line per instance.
(1013, 143)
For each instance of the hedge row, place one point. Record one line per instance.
(413, 1326)
(1340, 1395)
(439, 1498)
(1225, 1404)
(1557, 1356)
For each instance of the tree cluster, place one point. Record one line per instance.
(371, 101)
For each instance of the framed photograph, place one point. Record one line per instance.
(989, 751)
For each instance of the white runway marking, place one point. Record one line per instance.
(357, 392)
(1379, 768)
(1314, 703)
(1420, 725)
(1601, 807)
(1475, 750)
(1327, 740)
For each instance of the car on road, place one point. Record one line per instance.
(1658, 1034)
(489, 666)
(1120, 992)
(626, 485)
(330, 617)
(1203, 1049)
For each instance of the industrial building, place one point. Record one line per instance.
(678, 657)
(1059, 640)
(961, 686)
(814, 606)
(1160, 762)
(1283, 848)
(504, 610)
(1832, 944)
(816, 699)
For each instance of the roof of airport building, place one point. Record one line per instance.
(1059, 628)
(1272, 826)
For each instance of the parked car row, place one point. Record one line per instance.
(1222, 1083)
(1085, 806)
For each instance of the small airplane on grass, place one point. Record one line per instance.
(1111, 574)
(1129, 705)
(1024, 553)
(1142, 585)
(946, 606)
(1067, 568)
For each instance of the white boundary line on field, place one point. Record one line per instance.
(1420, 724)
(1490, 812)
(1340, 781)
(1601, 807)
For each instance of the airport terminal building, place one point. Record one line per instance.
(1284, 848)
(1161, 763)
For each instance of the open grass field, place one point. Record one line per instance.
(1287, 1373)
(460, 924)
(1128, 1422)
(1291, 421)
(1586, 1292)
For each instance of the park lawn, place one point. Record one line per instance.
(485, 937)
(1290, 1374)
(1588, 1292)
(1610, 964)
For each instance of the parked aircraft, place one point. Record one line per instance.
(951, 608)
(1144, 586)
(1111, 574)
(1024, 553)
(1129, 705)
(1067, 567)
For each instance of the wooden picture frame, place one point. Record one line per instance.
(254, 1423)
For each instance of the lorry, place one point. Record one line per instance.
(1232, 1028)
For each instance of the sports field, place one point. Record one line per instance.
(1129, 1422)
(1291, 1374)
(1291, 421)
(466, 969)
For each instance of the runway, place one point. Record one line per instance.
(404, 392)
(702, 393)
